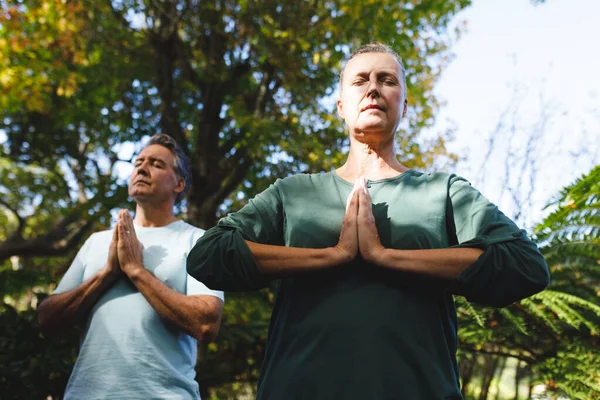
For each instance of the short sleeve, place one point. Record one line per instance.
(74, 275)
(195, 287)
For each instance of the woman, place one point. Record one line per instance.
(366, 270)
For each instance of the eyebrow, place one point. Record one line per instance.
(381, 74)
(152, 159)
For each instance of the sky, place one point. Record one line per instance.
(542, 64)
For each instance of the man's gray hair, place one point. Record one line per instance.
(375, 48)
(182, 162)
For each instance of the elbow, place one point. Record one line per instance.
(539, 281)
(526, 287)
(543, 280)
(207, 333)
(44, 320)
(507, 290)
(535, 278)
(208, 328)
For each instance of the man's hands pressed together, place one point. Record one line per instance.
(129, 248)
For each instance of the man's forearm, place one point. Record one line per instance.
(279, 261)
(198, 316)
(59, 309)
(439, 263)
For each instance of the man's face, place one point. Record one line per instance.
(372, 99)
(154, 179)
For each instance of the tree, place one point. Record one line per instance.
(243, 86)
(238, 84)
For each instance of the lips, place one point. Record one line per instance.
(373, 107)
(141, 181)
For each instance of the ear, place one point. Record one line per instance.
(340, 108)
(405, 108)
(180, 186)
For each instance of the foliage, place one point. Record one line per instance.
(556, 331)
(244, 86)
(30, 366)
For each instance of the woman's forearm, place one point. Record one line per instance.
(280, 260)
(439, 263)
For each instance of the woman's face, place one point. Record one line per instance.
(372, 99)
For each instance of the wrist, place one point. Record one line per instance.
(338, 256)
(133, 270)
(378, 256)
(109, 272)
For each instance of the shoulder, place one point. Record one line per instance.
(445, 179)
(99, 237)
(300, 180)
(96, 242)
(188, 230)
(442, 179)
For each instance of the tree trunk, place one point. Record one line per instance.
(518, 372)
(489, 369)
(467, 366)
(201, 211)
(500, 371)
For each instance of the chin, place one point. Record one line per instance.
(137, 194)
(371, 125)
(371, 130)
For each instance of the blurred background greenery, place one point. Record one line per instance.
(246, 87)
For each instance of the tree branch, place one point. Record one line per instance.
(237, 173)
(65, 235)
(498, 352)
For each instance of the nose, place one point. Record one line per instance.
(141, 169)
(372, 89)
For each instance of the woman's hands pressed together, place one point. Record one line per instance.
(359, 233)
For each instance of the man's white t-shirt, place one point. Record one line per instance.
(126, 350)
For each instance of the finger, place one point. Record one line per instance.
(123, 221)
(365, 209)
(366, 189)
(353, 205)
(120, 226)
(115, 236)
(123, 231)
(349, 198)
(363, 184)
(130, 226)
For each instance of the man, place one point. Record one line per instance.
(142, 312)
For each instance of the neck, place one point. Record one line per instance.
(372, 161)
(153, 216)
